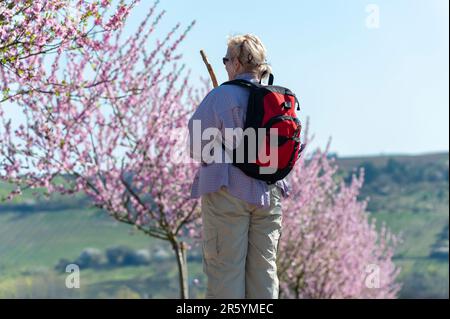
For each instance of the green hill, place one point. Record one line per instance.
(411, 195)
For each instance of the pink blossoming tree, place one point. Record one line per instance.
(102, 117)
(330, 247)
(30, 28)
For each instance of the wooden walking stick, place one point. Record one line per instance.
(210, 70)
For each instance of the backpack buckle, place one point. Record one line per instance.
(286, 105)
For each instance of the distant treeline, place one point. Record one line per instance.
(398, 172)
(120, 256)
(30, 206)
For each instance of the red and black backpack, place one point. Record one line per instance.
(270, 107)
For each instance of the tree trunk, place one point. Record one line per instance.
(180, 251)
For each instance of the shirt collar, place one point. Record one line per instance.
(247, 76)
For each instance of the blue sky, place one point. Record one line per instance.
(374, 91)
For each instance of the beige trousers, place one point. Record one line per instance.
(240, 243)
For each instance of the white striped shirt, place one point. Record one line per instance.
(226, 107)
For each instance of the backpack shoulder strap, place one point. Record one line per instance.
(271, 79)
(246, 83)
(241, 82)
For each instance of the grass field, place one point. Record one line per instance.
(422, 276)
(31, 246)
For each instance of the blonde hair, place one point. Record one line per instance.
(251, 53)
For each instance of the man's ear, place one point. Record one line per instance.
(236, 64)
